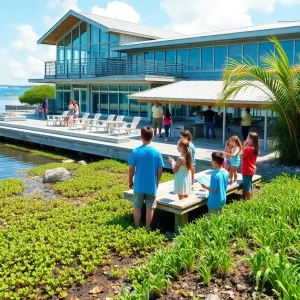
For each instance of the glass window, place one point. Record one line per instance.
(264, 49)
(103, 36)
(75, 36)
(134, 108)
(83, 34)
(220, 57)
(207, 58)
(113, 88)
(171, 56)
(123, 102)
(61, 43)
(60, 54)
(144, 109)
(182, 58)
(134, 88)
(251, 53)
(297, 52)
(68, 53)
(144, 88)
(178, 110)
(59, 87)
(60, 100)
(159, 56)
(103, 88)
(94, 52)
(113, 103)
(68, 40)
(288, 47)
(149, 56)
(67, 87)
(123, 88)
(113, 38)
(95, 88)
(103, 50)
(104, 103)
(94, 35)
(235, 52)
(67, 97)
(95, 103)
(194, 59)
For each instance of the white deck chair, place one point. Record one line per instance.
(80, 121)
(57, 119)
(102, 123)
(128, 127)
(120, 118)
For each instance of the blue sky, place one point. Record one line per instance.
(23, 22)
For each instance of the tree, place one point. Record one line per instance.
(283, 82)
(36, 94)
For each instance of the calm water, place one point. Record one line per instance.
(9, 95)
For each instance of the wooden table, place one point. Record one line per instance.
(168, 201)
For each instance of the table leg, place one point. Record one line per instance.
(180, 221)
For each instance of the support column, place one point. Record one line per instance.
(266, 130)
(224, 125)
(180, 221)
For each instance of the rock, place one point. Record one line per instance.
(116, 266)
(235, 280)
(228, 294)
(212, 297)
(82, 162)
(4, 223)
(55, 175)
(241, 288)
(254, 295)
(228, 287)
(176, 286)
(216, 290)
(97, 290)
(170, 235)
(68, 161)
(184, 285)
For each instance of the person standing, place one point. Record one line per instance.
(44, 109)
(145, 165)
(246, 124)
(167, 123)
(209, 118)
(70, 115)
(157, 118)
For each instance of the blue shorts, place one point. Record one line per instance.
(247, 183)
(228, 163)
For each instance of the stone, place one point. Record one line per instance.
(4, 224)
(241, 288)
(228, 294)
(184, 285)
(68, 161)
(176, 286)
(97, 290)
(55, 175)
(212, 297)
(170, 235)
(82, 162)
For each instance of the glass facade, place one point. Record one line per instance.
(63, 96)
(207, 58)
(264, 49)
(194, 59)
(288, 47)
(235, 52)
(297, 53)
(220, 57)
(182, 58)
(251, 53)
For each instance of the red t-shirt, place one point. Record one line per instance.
(249, 161)
(167, 121)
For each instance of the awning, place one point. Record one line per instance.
(204, 93)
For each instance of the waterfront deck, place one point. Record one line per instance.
(98, 143)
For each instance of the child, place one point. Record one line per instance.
(249, 155)
(146, 165)
(234, 158)
(182, 169)
(187, 137)
(218, 185)
(167, 123)
(227, 149)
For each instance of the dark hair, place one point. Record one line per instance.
(147, 133)
(247, 109)
(168, 114)
(254, 137)
(218, 157)
(186, 134)
(187, 153)
(237, 140)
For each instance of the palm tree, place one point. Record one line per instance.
(283, 83)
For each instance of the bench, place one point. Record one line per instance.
(168, 201)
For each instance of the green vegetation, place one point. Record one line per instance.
(10, 187)
(270, 227)
(283, 81)
(36, 94)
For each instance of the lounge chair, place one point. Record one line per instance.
(128, 127)
(57, 119)
(102, 123)
(80, 121)
(120, 118)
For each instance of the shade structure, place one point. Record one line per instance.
(205, 93)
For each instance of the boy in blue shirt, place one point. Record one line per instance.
(218, 184)
(146, 165)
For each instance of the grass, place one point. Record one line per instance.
(10, 187)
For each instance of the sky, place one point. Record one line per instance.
(22, 23)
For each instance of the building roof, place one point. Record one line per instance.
(265, 30)
(72, 17)
(204, 93)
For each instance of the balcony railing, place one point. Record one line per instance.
(98, 67)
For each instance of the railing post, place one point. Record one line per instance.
(55, 65)
(67, 68)
(79, 68)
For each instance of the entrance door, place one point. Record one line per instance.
(80, 95)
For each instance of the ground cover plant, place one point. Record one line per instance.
(266, 231)
(10, 187)
(47, 246)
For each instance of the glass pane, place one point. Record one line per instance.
(113, 87)
(60, 101)
(123, 104)
(67, 87)
(95, 88)
(94, 35)
(95, 103)
(60, 54)
(144, 109)
(94, 51)
(134, 88)
(207, 58)
(104, 103)
(149, 56)
(171, 56)
(264, 49)
(113, 38)
(235, 52)
(68, 53)
(75, 60)
(75, 36)
(251, 53)
(182, 58)
(160, 56)
(140, 56)
(59, 87)
(144, 88)
(297, 52)
(123, 88)
(288, 47)
(113, 104)
(68, 41)
(111, 52)
(67, 97)
(178, 110)
(194, 59)
(103, 88)
(61, 43)
(83, 34)
(103, 50)
(133, 107)
(103, 37)
(83, 103)
(220, 57)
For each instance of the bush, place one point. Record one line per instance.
(36, 94)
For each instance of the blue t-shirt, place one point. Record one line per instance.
(146, 160)
(218, 182)
(193, 153)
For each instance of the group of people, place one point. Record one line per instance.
(146, 165)
(73, 112)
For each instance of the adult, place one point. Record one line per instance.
(44, 109)
(146, 165)
(246, 124)
(157, 118)
(209, 118)
(76, 110)
(70, 115)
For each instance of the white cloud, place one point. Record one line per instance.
(194, 16)
(17, 70)
(117, 10)
(27, 38)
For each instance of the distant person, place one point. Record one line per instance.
(44, 109)
(249, 155)
(236, 148)
(209, 118)
(182, 169)
(70, 115)
(218, 185)
(167, 123)
(157, 118)
(227, 150)
(146, 165)
(76, 110)
(246, 124)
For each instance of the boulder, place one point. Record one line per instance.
(82, 162)
(55, 175)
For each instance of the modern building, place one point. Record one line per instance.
(101, 61)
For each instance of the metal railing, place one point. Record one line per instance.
(98, 67)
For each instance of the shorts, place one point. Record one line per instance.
(228, 163)
(247, 183)
(157, 122)
(214, 211)
(139, 199)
